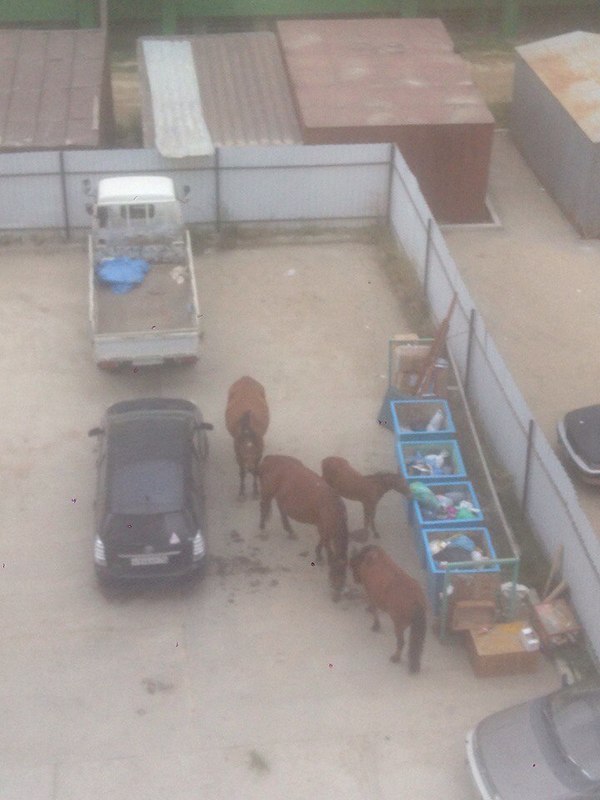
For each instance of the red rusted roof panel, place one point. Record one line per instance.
(362, 74)
(51, 88)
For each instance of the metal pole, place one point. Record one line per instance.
(427, 252)
(530, 435)
(469, 350)
(390, 180)
(63, 189)
(217, 192)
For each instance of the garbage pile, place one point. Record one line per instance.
(455, 503)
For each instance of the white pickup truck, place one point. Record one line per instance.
(139, 218)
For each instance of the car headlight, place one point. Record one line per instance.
(99, 552)
(198, 546)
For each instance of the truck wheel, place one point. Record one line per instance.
(182, 361)
(109, 366)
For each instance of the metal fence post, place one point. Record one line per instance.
(217, 191)
(63, 190)
(390, 181)
(427, 252)
(469, 350)
(530, 435)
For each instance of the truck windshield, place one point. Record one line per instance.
(139, 216)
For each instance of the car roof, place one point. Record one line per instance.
(132, 439)
(148, 456)
(582, 427)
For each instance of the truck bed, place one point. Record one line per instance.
(164, 301)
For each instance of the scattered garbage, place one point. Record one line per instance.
(458, 547)
(432, 464)
(454, 504)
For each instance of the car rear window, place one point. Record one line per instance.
(147, 487)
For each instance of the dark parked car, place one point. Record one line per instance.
(579, 435)
(546, 749)
(150, 496)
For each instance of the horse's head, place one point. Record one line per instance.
(248, 445)
(356, 559)
(392, 480)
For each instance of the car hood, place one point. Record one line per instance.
(510, 749)
(582, 428)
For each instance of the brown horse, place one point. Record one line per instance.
(392, 590)
(367, 489)
(247, 420)
(305, 497)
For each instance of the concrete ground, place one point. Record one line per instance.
(250, 683)
(537, 284)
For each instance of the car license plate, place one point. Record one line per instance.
(149, 559)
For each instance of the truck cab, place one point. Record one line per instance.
(137, 208)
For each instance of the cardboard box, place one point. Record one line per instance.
(467, 614)
(499, 650)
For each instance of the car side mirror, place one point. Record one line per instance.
(95, 432)
(205, 426)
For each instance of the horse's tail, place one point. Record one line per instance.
(418, 627)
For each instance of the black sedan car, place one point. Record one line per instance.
(150, 495)
(546, 749)
(579, 436)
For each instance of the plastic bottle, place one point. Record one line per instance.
(436, 422)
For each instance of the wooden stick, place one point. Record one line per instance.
(561, 588)
(554, 568)
(435, 349)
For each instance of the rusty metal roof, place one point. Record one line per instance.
(243, 91)
(377, 73)
(569, 66)
(51, 88)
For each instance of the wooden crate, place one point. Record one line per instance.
(555, 623)
(499, 651)
(467, 614)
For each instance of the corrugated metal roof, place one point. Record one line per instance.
(569, 66)
(245, 96)
(51, 88)
(179, 126)
(357, 73)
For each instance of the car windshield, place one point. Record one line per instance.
(575, 718)
(147, 487)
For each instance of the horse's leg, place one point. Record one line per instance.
(285, 521)
(376, 626)
(369, 518)
(265, 507)
(323, 543)
(255, 492)
(242, 492)
(399, 626)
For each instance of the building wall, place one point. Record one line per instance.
(564, 159)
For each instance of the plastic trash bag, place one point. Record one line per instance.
(122, 274)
